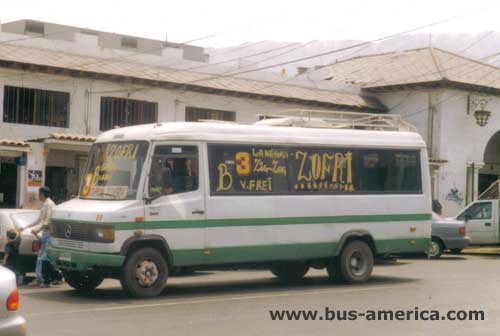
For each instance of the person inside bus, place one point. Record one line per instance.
(179, 176)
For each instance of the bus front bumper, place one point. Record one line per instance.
(83, 261)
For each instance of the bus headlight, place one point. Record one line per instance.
(105, 234)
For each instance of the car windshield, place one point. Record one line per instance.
(114, 170)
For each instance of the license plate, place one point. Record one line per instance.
(65, 256)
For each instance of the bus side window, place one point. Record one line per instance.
(174, 170)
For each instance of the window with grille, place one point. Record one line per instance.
(129, 42)
(197, 114)
(35, 107)
(34, 27)
(126, 112)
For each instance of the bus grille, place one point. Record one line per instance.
(73, 244)
(72, 231)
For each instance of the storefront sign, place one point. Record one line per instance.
(35, 178)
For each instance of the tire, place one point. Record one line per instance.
(144, 273)
(436, 248)
(354, 265)
(84, 282)
(456, 251)
(290, 272)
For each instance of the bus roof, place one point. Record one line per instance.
(250, 134)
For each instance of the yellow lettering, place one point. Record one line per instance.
(315, 166)
(349, 167)
(225, 178)
(338, 168)
(301, 175)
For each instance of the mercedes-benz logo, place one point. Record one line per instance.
(67, 231)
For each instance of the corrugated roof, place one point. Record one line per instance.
(72, 137)
(120, 69)
(415, 66)
(14, 143)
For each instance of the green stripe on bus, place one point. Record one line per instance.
(261, 253)
(228, 222)
(239, 254)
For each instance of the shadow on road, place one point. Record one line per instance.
(194, 289)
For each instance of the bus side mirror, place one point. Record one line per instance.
(150, 199)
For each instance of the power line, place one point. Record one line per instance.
(361, 44)
(235, 48)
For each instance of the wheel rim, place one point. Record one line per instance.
(357, 263)
(146, 273)
(433, 248)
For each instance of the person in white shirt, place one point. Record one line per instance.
(44, 221)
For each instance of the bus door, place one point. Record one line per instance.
(175, 207)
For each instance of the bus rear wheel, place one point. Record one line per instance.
(290, 272)
(85, 282)
(144, 273)
(354, 264)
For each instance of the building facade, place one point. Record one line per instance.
(454, 102)
(54, 103)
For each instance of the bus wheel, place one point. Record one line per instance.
(289, 272)
(144, 273)
(354, 265)
(85, 282)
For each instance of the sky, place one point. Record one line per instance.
(235, 22)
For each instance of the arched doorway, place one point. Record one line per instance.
(491, 169)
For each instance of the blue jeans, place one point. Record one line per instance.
(42, 255)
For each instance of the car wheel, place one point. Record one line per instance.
(436, 248)
(144, 273)
(290, 272)
(85, 282)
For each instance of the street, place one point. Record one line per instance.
(238, 302)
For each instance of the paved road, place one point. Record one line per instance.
(238, 303)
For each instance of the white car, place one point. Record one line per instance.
(11, 322)
(28, 250)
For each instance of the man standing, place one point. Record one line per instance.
(44, 221)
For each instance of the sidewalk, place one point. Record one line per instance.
(482, 250)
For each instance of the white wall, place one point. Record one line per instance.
(171, 103)
(456, 136)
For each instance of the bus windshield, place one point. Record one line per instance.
(114, 170)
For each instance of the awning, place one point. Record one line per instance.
(67, 141)
(13, 148)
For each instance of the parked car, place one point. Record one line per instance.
(447, 234)
(28, 250)
(11, 322)
(482, 220)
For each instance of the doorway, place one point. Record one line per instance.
(490, 172)
(8, 183)
(56, 180)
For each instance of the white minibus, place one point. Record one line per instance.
(208, 195)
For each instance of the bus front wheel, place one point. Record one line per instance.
(85, 282)
(353, 265)
(144, 273)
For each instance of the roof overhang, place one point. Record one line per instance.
(440, 84)
(370, 104)
(13, 148)
(69, 142)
